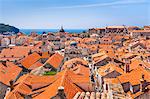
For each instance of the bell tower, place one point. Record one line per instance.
(61, 30)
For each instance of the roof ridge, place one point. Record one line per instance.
(62, 78)
(66, 75)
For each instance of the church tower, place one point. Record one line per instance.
(61, 30)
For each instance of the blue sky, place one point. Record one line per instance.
(74, 13)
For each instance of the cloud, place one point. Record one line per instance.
(120, 2)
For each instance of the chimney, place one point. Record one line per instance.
(48, 52)
(142, 58)
(142, 80)
(11, 85)
(61, 93)
(106, 87)
(30, 52)
(127, 67)
(143, 76)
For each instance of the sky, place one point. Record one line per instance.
(74, 14)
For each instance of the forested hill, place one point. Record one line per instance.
(8, 28)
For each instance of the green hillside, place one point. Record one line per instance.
(8, 28)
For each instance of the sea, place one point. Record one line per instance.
(40, 31)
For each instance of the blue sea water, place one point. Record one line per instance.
(40, 31)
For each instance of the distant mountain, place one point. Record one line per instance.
(8, 28)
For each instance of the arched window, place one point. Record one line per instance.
(72, 52)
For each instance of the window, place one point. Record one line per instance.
(141, 34)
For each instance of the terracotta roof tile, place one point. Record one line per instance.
(136, 94)
(45, 55)
(35, 65)
(97, 56)
(35, 81)
(30, 60)
(71, 62)
(14, 95)
(18, 90)
(23, 83)
(135, 63)
(8, 72)
(100, 58)
(112, 80)
(66, 79)
(55, 60)
(81, 70)
(134, 76)
(128, 55)
(15, 52)
(104, 70)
